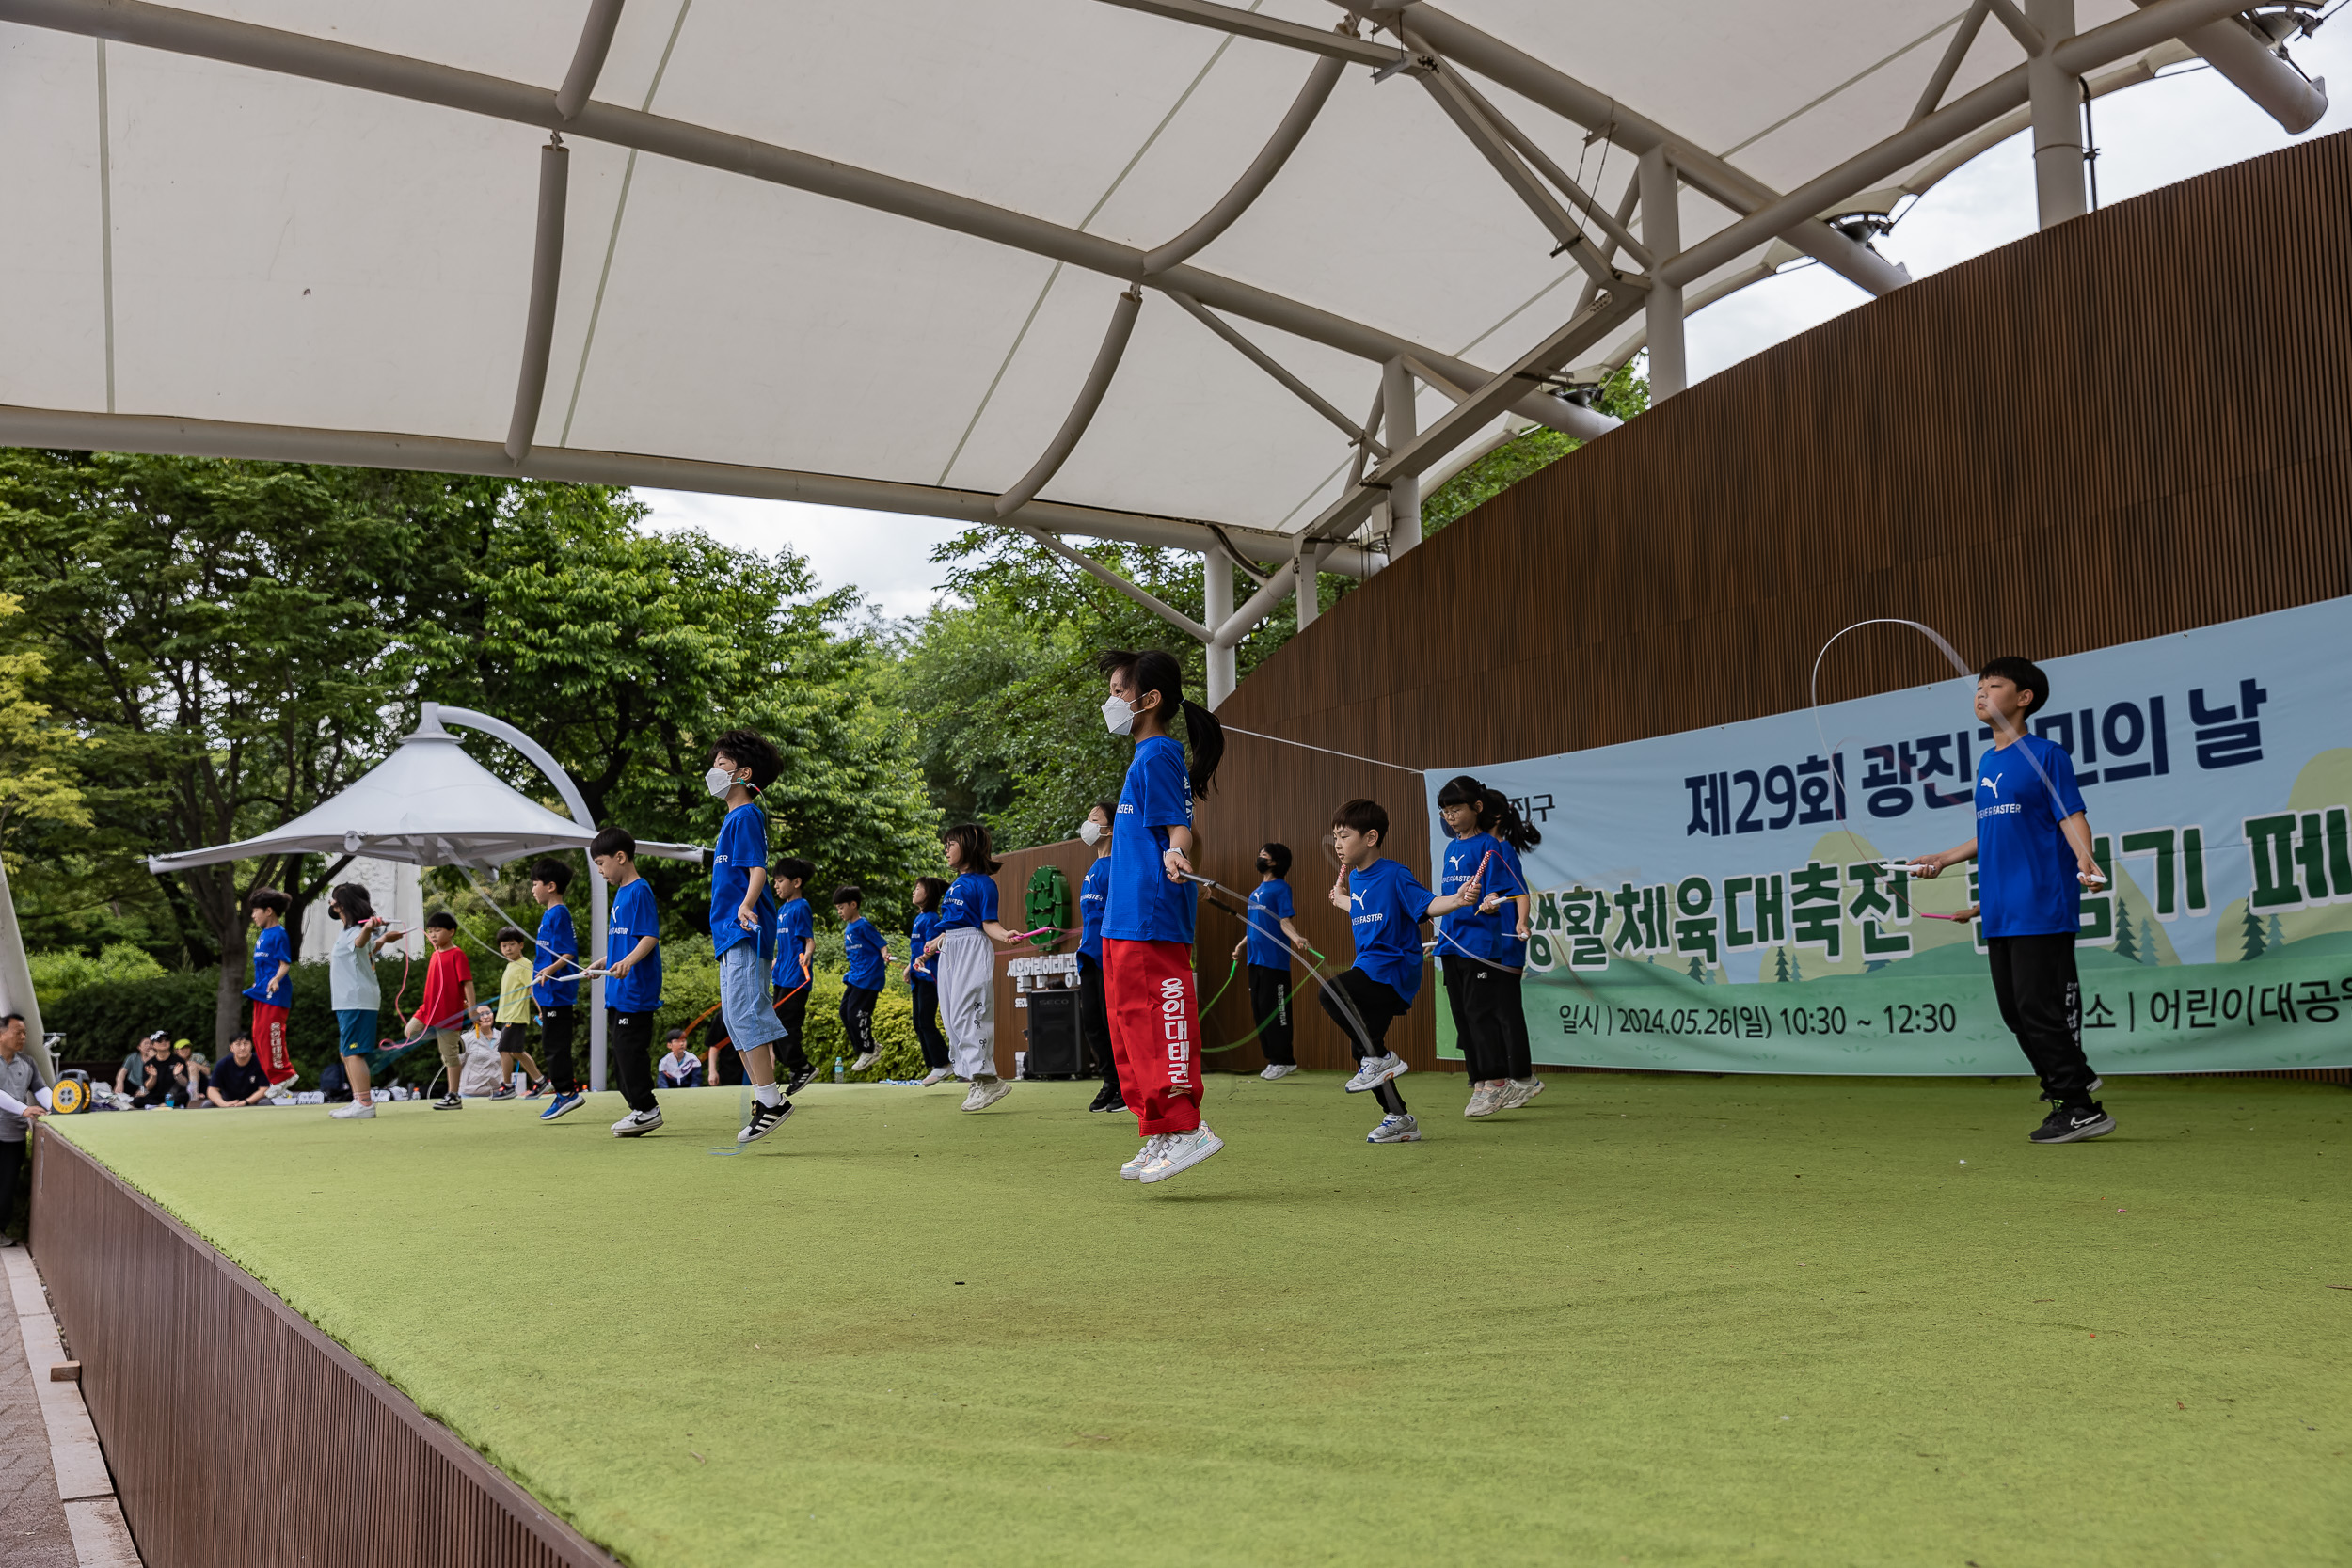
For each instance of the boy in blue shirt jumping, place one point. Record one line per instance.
(632, 986)
(867, 952)
(2033, 855)
(555, 986)
(796, 944)
(1385, 905)
(744, 918)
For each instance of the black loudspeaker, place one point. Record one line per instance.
(1056, 1046)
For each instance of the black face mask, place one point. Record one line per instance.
(1264, 865)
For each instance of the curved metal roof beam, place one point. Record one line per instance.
(1081, 413)
(2281, 91)
(1274, 368)
(1260, 172)
(596, 42)
(546, 272)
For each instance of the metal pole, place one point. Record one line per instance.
(1309, 589)
(547, 269)
(1396, 399)
(1217, 607)
(16, 985)
(2058, 122)
(1662, 231)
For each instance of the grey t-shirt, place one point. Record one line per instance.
(18, 1079)
(351, 973)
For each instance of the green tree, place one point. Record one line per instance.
(1623, 394)
(36, 776)
(1780, 965)
(2252, 930)
(2127, 946)
(2277, 936)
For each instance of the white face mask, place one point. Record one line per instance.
(1118, 714)
(1090, 832)
(718, 781)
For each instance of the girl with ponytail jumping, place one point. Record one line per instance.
(1147, 919)
(1483, 951)
(967, 964)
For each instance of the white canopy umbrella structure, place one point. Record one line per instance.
(1234, 278)
(429, 803)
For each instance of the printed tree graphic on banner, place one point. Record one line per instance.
(2277, 933)
(1699, 968)
(1780, 965)
(2125, 946)
(2253, 933)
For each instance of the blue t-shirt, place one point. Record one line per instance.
(1385, 903)
(2024, 865)
(1094, 891)
(635, 917)
(925, 927)
(268, 952)
(1270, 905)
(969, 901)
(861, 944)
(1144, 905)
(1466, 934)
(556, 937)
(794, 927)
(742, 847)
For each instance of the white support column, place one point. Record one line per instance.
(1217, 573)
(1662, 231)
(1396, 403)
(2058, 117)
(1305, 571)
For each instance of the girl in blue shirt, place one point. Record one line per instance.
(743, 919)
(1385, 905)
(1093, 895)
(967, 964)
(1267, 945)
(1146, 921)
(1482, 951)
(868, 955)
(923, 982)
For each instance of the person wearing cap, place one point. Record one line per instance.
(679, 1067)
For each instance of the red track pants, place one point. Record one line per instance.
(269, 1042)
(1155, 1031)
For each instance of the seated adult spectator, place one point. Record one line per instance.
(157, 1086)
(189, 1068)
(481, 1077)
(132, 1076)
(238, 1080)
(678, 1067)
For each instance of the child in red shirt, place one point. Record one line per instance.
(448, 1002)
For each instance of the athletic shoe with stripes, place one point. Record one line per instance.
(563, 1105)
(1372, 1071)
(1143, 1157)
(1394, 1129)
(1180, 1152)
(765, 1119)
(1522, 1090)
(802, 1076)
(1486, 1099)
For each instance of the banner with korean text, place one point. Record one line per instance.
(1735, 899)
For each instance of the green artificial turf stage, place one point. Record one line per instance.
(1647, 1320)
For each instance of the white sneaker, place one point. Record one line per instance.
(1278, 1070)
(936, 1075)
(1519, 1091)
(637, 1123)
(1372, 1071)
(986, 1092)
(1143, 1157)
(1394, 1129)
(1487, 1099)
(864, 1060)
(359, 1110)
(1180, 1152)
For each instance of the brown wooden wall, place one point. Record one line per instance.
(2137, 423)
(239, 1436)
(1012, 892)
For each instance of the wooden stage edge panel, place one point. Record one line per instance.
(240, 1435)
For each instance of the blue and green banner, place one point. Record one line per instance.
(1736, 899)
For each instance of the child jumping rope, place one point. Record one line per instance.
(743, 919)
(923, 983)
(1482, 952)
(513, 1015)
(867, 952)
(1385, 905)
(1093, 892)
(1147, 924)
(1270, 911)
(796, 945)
(967, 964)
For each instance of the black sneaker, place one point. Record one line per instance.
(802, 1076)
(1108, 1099)
(449, 1103)
(765, 1119)
(2073, 1123)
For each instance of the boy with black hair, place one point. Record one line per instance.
(513, 1015)
(1267, 943)
(796, 945)
(2033, 854)
(744, 918)
(1385, 905)
(556, 996)
(1094, 895)
(271, 992)
(448, 1002)
(868, 951)
(632, 985)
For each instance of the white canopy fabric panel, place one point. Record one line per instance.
(263, 261)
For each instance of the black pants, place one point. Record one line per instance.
(513, 1040)
(927, 1023)
(1094, 1019)
(792, 1012)
(2041, 1001)
(1488, 1019)
(628, 1043)
(555, 1050)
(1376, 1005)
(857, 1019)
(1270, 1010)
(11, 1164)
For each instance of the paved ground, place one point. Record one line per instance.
(32, 1520)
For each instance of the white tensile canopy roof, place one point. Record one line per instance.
(876, 254)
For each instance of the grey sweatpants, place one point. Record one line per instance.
(967, 1001)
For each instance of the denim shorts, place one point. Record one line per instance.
(355, 1029)
(743, 998)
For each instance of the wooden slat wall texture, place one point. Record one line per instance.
(1012, 892)
(239, 1436)
(2133, 424)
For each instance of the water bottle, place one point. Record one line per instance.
(838, 1076)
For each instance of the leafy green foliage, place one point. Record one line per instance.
(58, 974)
(1623, 395)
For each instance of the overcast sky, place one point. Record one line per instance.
(2149, 135)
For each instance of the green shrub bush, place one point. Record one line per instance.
(58, 974)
